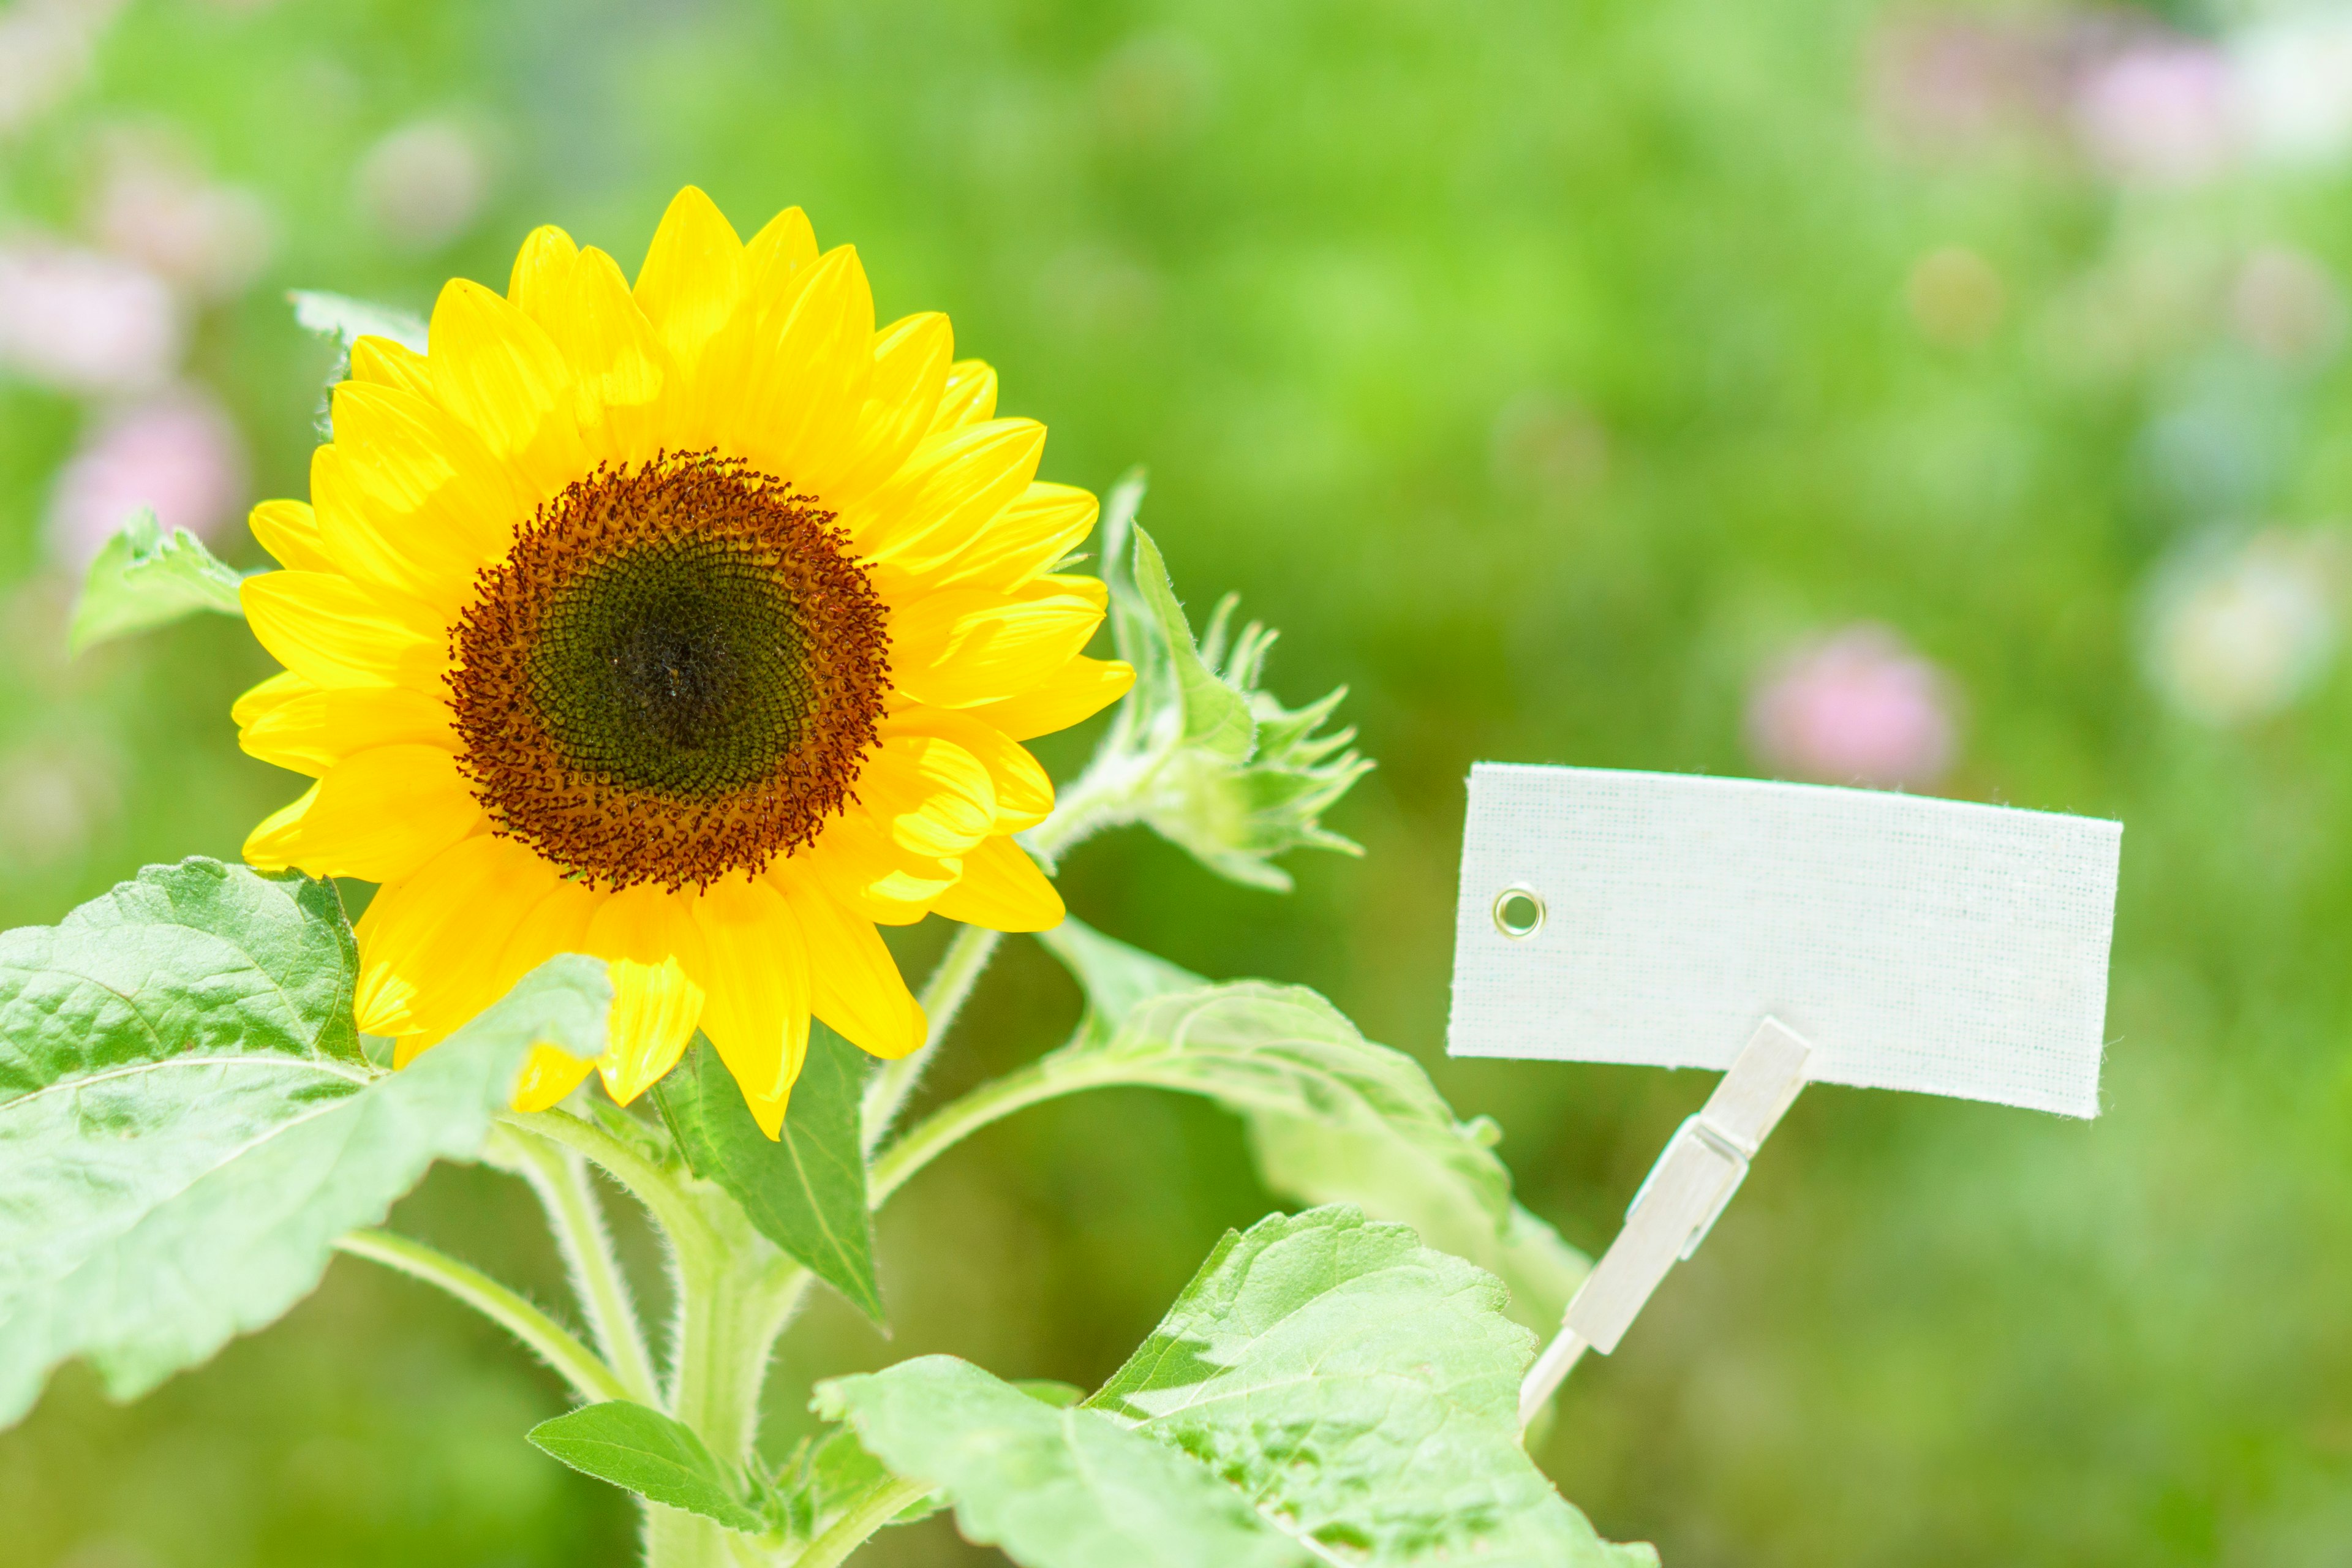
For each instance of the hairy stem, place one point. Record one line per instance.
(560, 1177)
(658, 1189)
(575, 1362)
(851, 1530)
(735, 1293)
(993, 1101)
(943, 997)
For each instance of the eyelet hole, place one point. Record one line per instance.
(1518, 912)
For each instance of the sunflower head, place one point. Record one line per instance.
(693, 624)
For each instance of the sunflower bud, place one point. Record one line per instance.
(1199, 752)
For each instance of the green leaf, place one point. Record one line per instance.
(197, 957)
(1116, 977)
(1263, 1050)
(805, 1191)
(186, 1126)
(347, 320)
(830, 1472)
(144, 578)
(1411, 1162)
(639, 1450)
(1053, 1488)
(1362, 1391)
(1320, 1163)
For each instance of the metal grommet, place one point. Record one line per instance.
(1518, 912)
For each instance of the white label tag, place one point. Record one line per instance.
(1918, 943)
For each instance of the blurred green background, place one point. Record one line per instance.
(1558, 376)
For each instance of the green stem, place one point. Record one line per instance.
(851, 1530)
(993, 1101)
(943, 997)
(560, 1177)
(578, 1365)
(735, 1293)
(657, 1189)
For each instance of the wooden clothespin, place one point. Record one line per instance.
(1677, 1205)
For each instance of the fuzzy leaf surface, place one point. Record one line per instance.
(144, 578)
(186, 1124)
(1064, 1488)
(1270, 1052)
(1442, 1189)
(1362, 1390)
(805, 1191)
(639, 1450)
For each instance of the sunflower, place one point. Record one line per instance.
(695, 626)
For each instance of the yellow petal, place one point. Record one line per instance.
(775, 254)
(289, 529)
(313, 730)
(283, 687)
(548, 1075)
(1021, 793)
(1075, 692)
(958, 647)
(408, 498)
(383, 362)
(969, 397)
(864, 869)
(557, 923)
(621, 366)
(333, 632)
(933, 797)
(655, 954)
(499, 371)
(757, 1015)
(1023, 541)
(805, 373)
(1003, 889)
(910, 369)
(950, 489)
(543, 272)
(692, 278)
(854, 986)
(424, 965)
(379, 815)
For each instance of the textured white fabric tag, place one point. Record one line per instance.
(1916, 943)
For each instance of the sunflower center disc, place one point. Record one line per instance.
(675, 674)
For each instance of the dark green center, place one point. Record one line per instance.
(677, 668)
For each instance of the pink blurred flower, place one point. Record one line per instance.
(2159, 110)
(1856, 708)
(178, 453)
(154, 207)
(84, 322)
(1941, 84)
